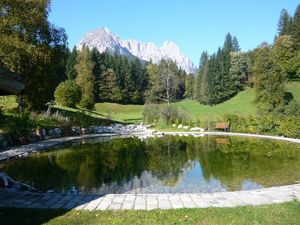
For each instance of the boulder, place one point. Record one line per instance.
(198, 129)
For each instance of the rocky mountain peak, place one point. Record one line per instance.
(104, 40)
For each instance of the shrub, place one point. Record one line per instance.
(288, 126)
(191, 124)
(18, 126)
(67, 93)
(292, 109)
(176, 122)
(151, 113)
(170, 114)
(87, 103)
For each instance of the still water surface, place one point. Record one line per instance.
(170, 164)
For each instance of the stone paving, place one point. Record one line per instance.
(143, 201)
(148, 201)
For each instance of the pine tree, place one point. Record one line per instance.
(284, 23)
(189, 86)
(239, 70)
(138, 81)
(235, 44)
(108, 88)
(85, 78)
(217, 85)
(296, 28)
(201, 82)
(97, 71)
(70, 66)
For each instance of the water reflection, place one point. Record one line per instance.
(158, 165)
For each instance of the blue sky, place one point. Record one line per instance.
(194, 25)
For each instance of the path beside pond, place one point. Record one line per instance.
(149, 201)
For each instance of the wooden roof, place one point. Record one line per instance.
(10, 82)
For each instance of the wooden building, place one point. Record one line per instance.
(10, 83)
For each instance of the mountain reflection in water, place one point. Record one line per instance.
(170, 164)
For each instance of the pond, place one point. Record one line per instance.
(170, 164)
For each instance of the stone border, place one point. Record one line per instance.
(147, 201)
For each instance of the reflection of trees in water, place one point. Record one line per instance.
(260, 161)
(122, 161)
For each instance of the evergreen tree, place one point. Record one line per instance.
(284, 23)
(189, 86)
(296, 28)
(200, 81)
(85, 78)
(138, 80)
(217, 85)
(239, 70)
(70, 66)
(108, 88)
(235, 44)
(96, 58)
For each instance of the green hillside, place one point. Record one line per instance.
(243, 103)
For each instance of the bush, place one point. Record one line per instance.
(170, 114)
(87, 103)
(67, 93)
(19, 125)
(151, 113)
(292, 109)
(288, 126)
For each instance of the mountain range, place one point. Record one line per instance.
(104, 40)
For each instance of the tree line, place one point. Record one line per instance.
(106, 77)
(36, 49)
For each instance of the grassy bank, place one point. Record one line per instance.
(287, 213)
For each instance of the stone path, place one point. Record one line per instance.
(149, 201)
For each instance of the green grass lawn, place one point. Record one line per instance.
(125, 113)
(243, 103)
(240, 104)
(294, 87)
(286, 213)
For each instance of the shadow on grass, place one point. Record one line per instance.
(13, 216)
